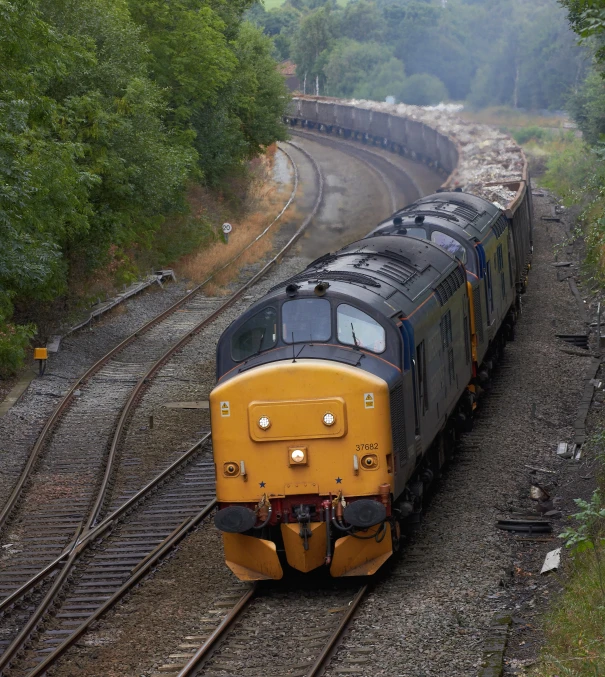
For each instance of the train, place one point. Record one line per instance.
(341, 393)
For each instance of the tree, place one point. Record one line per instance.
(386, 79)
(248, 115)
(311, 43)
(422, 89)
(362, 21)
(351, 64)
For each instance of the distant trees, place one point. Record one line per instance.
(491, 52)
(422, 89)
(107, 109)
(587, 105)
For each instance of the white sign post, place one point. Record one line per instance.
(227, 228)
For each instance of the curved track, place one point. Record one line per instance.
(50, 522)
(76, 587)
(403, 187)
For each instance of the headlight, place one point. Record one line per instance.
(329, 418)
(297, 456)
(264, 423)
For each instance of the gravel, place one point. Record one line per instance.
(442, 592)
(131, 635)
(430, 614)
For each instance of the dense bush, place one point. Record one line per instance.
(423, 90)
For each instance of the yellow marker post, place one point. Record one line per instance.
(41, 354)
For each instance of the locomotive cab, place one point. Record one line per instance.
(341, 392)
(302, 435)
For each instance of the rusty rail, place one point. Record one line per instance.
(69, 557)
(194, 662)
(13, 499)
(332, 643)
(160, 552)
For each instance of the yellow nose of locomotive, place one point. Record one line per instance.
(300, 433)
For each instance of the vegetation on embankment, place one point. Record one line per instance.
(573, 166)
(110, 110)
(575, 627)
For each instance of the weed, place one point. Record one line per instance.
(588, 536)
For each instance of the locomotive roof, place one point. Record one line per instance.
(468, 215)
(390, 273)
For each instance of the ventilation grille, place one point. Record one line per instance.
(334, 275)
(450, 365)
(466, 212)
(500, 226)
(467, 343)
(449, 286)
(398, 425)
(397, 272)
(478, 313)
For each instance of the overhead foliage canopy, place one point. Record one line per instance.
(107, 109)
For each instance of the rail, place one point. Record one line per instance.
(71, 554)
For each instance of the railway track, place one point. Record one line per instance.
(59, 498)
(77, 565)
(297, 633)
(401, 185)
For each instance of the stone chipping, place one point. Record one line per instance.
(486, 155)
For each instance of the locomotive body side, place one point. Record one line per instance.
(348, 352)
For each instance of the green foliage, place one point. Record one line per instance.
(350, 63)
(590, 532)
(107, 109)
(422, 89)
(587, 107)
(531, 133)
(514, 52)
(14, 340)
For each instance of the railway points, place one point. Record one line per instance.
(63, 449)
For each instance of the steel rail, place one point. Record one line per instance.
(373, 169)
(138, 574)
(143, 381)
(174, 538)
(89, 537)
(193, 663)
(318, 137)
(15, 495)
(326, 653)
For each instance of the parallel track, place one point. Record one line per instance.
(66, 464)
(81, 584)
(407, 188)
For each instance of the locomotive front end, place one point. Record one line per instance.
(302, 442)
(302, 448)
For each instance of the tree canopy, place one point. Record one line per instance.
(107, 109)
(488, 52)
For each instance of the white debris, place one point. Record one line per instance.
(552, 561)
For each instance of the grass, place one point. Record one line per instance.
(504, 116)
(561, 162)
(575, 629)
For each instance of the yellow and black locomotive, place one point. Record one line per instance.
(341, 392)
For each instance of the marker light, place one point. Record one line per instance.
(264, 423)
(298, 456)
(329, 418)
